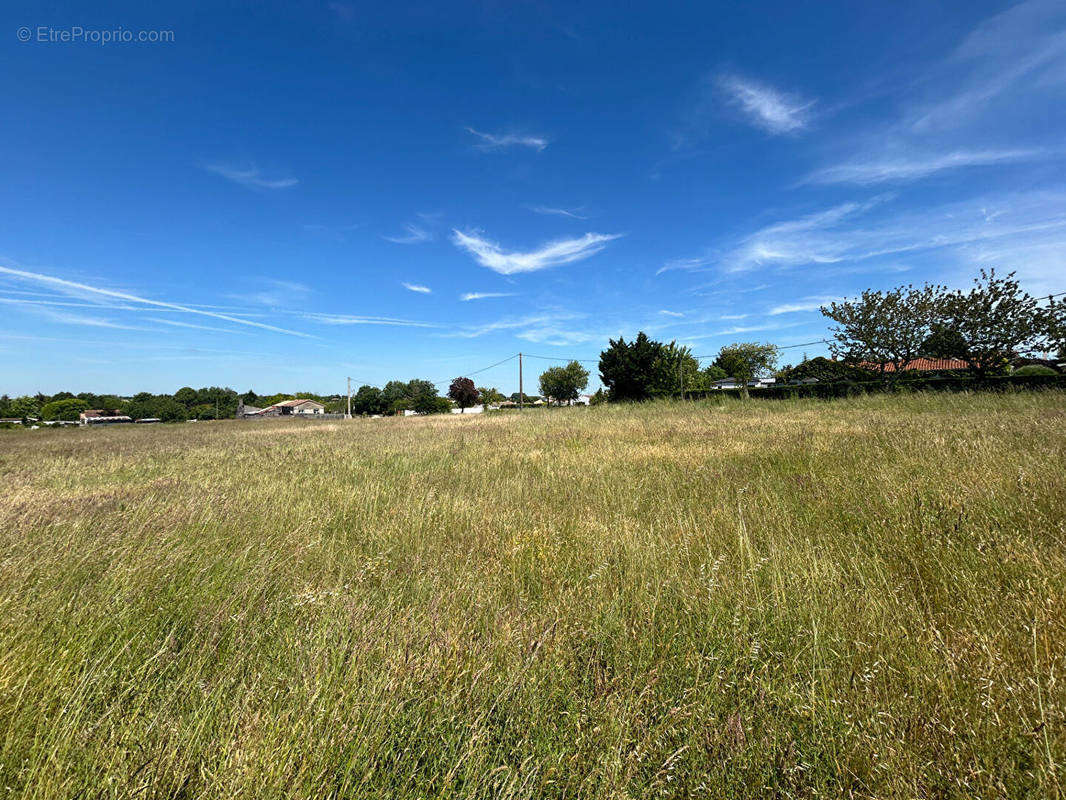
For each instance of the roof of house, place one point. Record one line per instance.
(297, 402)
(97, 412)
(922, 365)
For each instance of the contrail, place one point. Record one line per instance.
(49, 280)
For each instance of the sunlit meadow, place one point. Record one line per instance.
(858, 598)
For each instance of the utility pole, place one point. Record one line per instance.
(521, 395)
(681, 375)
(349, 414)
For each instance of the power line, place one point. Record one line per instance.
(783, 347)
(561, 358)
(478, 371)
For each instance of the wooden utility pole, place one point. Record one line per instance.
(349, 414)
(521, 395)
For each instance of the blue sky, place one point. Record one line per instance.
(289, 193)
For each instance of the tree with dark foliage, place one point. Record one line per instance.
(464, 393)
(628, 370)
(368, 400)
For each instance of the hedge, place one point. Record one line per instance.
(999, 383)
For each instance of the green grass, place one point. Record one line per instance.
(860, 598)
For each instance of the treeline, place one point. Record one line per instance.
(422, 397)
(209, 402)
(876, 338)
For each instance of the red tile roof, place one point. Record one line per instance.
(922, 365)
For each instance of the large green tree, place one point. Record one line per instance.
(67, 410)
(490, 395)
(747, 361)
(394, 397)
(368, 400)
(564, 384)
(187, 396)
(170, 410)
(993, 321)
(677, 371)
(885, 329)
(222, 399)
(422, 397)
(25, 406)
(627, 369)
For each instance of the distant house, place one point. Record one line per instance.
(10, 420)
(245, 410)
(469, 410)
(100, 416)
(733, 383)
(300, 407)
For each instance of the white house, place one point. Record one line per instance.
(300, 407)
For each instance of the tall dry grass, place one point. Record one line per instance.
(859, 598)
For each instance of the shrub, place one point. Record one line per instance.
(1033, 369)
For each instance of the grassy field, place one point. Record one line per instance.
(859, 598)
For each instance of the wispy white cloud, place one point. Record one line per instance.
(63, 285)
(807, 304)
(913, 167)
(416, 234)
(504, 141)
(357, 319)
(274, 292)
(23, 298)
(22, 301)
(512, 323)
(176, 324)
(91, 322)
(414, 287)
(562, 251)
(737, 330)
(794, 242)
(556, 212)
(1012, 57)
(849, 234)
(559, 336)
(483, 295)
(685, 264)
(667, 313)
(767, 108)
(250, 176)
